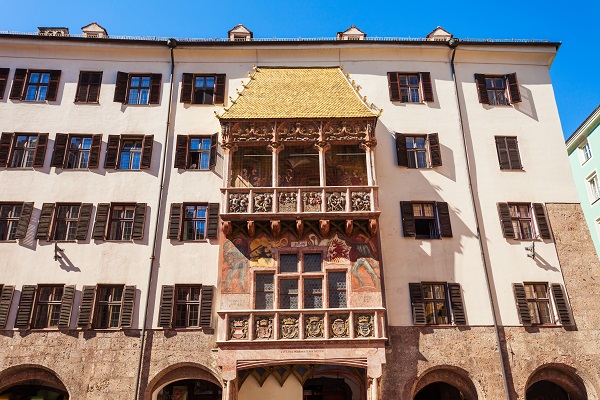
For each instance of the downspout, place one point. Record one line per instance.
(171, 43)
(453, 44)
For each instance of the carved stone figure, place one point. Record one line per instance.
(312, 201)
(336, 201)
(238, 202)
(263, 202)
(314, 327)
(361, 201)
(238, 328)
(364, 326)
(288, 201)
(340, 327)
(289, 328)
(264, 328)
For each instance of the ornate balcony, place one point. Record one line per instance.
(321, 201)
(290, 325)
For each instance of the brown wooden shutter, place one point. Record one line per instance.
(482, 89)
(88, 295)
(52, 92)
(40, 150)
(220, 80)
(121, 87)
(25, 306)
(522, 306)
(513, 153)
(394, 86)
(402, 157)
(206, 307)
(66, 306)
(155, 83)
(5, 142)
(213, 151)
(59, 151)
(187, 86)
(456, 302)
(434, 150)
(408, 219)
(166, 306)
(24, 220)
(138, 221)
(560, 299)
(83, 224)
(101, 220)
(542, 222)
(18, 85)
(128, 306)
(3, 79)
(95, 149)
(174, 221)
(427, 86)
(181, 149)
(95, 86)
(43, 229)
(81, 96)
(6, 296)
(416, 301)
(213, 221)
(444, 218)
(147, 151)
(112, 151)
(513, 88)
(502, 150)
(508, 230)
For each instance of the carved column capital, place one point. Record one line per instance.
(367, 145)
(275, 146)
(323, 146)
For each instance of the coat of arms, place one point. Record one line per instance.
(289, 328)
(264, 328)
(239, 329)
(339, 328)
(314, 327)
(364, 326)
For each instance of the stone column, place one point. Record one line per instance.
(228, 150)
(323, 146)
(275, 148)
(369, 147)
(231, 390)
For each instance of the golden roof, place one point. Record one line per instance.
(275, 93)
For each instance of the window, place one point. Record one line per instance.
(23, 150)
(498, 89)
(64, 221)
(425, 220)
(586, 152)
(35, 85)
(418, 151)
(137, 88)
(129, 152)
(534, 307)
(3, 80)
(121, 222)
(14, 220)
(196, 152)
(593, 188)
(345, 165)
(300, 283)
(193, 221)
(508, 152)
(76, 151)
(106, 306)
(88, 88)
(203, 88)
(186, 306)
(47, 309)
(410, 87)
(518, 223)
(79, 152)
(45, 306)
(437, 303)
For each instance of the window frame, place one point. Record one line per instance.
(520, 220)
(195, 89)
(111, 303)
(434, 228)
(585, 155)
(424, 86)
(497, 89)
(37, 85)
(139, 88)
(200, 151)
(54, 306)
(537, 301)
(184, 219)
(110, 222)
(92, 74)
(593, 187)
(69, 222)
(512, 93)
(510, 160)
(29, 150)
(79, 151)
(445, 301)
(131, 152)
(412, 152)
(12, 222)
(187, 303)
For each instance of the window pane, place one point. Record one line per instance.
(199, 81)
(135, 81)
(136, 160)
(288, 263)
(194, 144)
(133, 96)
(421, 159)
(429, 313)
(427, 292)
(31, 90)
(205, 160)
(210, 81)
(42, 93)
(312, 262)
(413, 80)
(440, 291)
(206, 144)
(403, 80)
(200, 226)
(313, 293)
(498, 82)
(420, 142)
(146, 81)
(410, 142)
(144, 96)
(442, 313)
(428, 210)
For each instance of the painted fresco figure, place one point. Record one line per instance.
(238, 266)
(364, 259)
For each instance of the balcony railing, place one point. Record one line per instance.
(301, 324)
(300, 200)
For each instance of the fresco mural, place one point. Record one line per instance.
(242, 255)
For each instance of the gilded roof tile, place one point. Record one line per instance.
(276, 93)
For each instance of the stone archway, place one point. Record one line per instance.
(446, 379)
(31, 375)
(179, 372)
(545, 379)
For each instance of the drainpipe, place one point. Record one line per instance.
(453, 44)
(171, 43)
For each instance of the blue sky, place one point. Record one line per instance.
(573, 23)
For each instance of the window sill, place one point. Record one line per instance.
(193, 241)
(86, 102)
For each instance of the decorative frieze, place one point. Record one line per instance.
(289, 327)
(314, 327)
(238, 328)
(361, 201)
(263, 202)
(311, 201)
(288, 202)
(336, 201)
(363, 324)
(264, 328)
(238, 203)
(339, 326)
